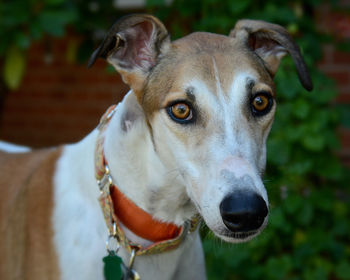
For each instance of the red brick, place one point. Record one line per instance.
(343, 98)
(344, 154)
(327, 55)
(58, 102)
(341, 58)
(345, 137)
(342, 78)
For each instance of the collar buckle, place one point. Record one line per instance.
(106, 181)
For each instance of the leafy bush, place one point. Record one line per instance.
(308, 236)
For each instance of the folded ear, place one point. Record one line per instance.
(271, 42)
(133, 46)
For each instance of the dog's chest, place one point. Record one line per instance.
(80, 229)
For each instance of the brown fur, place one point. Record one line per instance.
(26, 246)
(192, 57)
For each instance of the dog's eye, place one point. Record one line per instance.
(261, 103)
(180, 112)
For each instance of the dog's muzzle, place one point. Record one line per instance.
(243, 211)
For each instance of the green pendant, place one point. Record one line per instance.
(112, 269)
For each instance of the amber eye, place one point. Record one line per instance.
(261, 103)
(180, 112)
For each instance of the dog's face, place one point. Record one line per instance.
(211, 124)
(209, 103)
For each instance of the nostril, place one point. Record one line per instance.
(233, 218)
(243, 211)
(233, 221)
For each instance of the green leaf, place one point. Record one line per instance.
(322, 200)
(237, 7)
(278, 268)
(22, 40)
(305, 215)
(14, 67)
(278, 151)
(292, 204)
(320, 269)
(72, 50)
(314, 142)
(342, 270)
(155, 3)
(329, 167)
(277, 219)
(312, 274)
(36, 30)
(54, 21)
(13, 14)
(111, 70)
(345, 114)
(299, 167)
(55, 2)
(301, 108)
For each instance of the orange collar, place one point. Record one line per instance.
(140, 222)
(118, 208)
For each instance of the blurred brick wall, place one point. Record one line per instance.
(336, 63)
(58, 102)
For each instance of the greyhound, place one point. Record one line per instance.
(189, 138)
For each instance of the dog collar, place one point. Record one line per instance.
(117, 208)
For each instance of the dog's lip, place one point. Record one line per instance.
(239, 235)
(244, 235)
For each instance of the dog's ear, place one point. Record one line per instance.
(133, 46)
(271, 42)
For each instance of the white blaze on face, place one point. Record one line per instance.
(238, 166)
(232, 152)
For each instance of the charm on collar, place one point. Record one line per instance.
(112, 262)
(114, 267)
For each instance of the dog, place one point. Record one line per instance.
(189, 138)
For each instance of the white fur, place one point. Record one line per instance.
(12, 148)
(80, 230)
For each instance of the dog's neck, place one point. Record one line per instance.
(138, 171)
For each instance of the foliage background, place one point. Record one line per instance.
(308, 236)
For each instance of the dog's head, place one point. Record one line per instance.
(209, 103)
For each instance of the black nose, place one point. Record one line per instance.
(243, 211)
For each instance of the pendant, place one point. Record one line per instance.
(112, 268)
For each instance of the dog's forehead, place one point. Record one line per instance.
(204, 42)
(210, 58)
